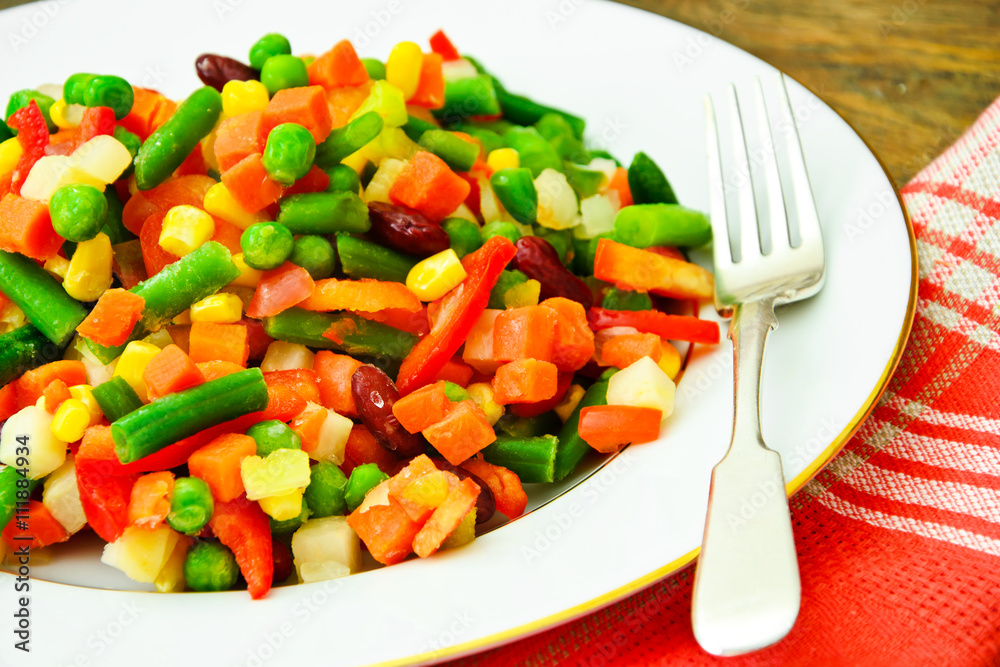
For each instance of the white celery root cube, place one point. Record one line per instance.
(62, 498)
(45, 452)
(642, 385)
(325, 549)
(141, 553)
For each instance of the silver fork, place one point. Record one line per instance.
(747, 589)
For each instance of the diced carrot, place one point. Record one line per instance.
(524, 333)
(456, 371)
(218, 464)
(622, 351)
(300, 380)
(31, 385)
(446, 518)
(478, 351)
(177, 191)
(237, 138)
(430, 90)
(333, 373)
(154, 257)
(213, 370)
(283, 403)
(8, 400)
(506, 486)
(149, 502)
(170, 371)
(55, 393)
(525, 381)
(150, 109)
(228, 235)
(428, 185)
(249, 184)
(40, 529)
(422, 408)
(343, 102)
(442, 45)
(113, 317)
(619, 183)
(645, 271)
(315, 180)
(340, 66)
(25, 227)
(104, 485)
(279, 289)
(573, 343)
(304, 105)
(608, 428)
(528, 410)
(387, 530)
(412, 322)
(218, 342)
(363, 448)
(308, 424)
(360, 295)
(463, 432)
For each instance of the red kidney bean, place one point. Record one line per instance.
(406, 230)
(486, 504)
(283, 563)
(537, 259)
(215, 70)
(374, 395)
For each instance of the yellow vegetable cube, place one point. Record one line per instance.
(402, 68)
(503, 158)
(170, 579)
(46, 451)
(523, 294)
(557, 204)
(643, 384)
(670, 361)
(70, 420)
(53, 172)
(62, 498)
(385, 176)
(219, 308)
(10, 153)
(89, 273)
(281, 472)
(283, 356)
(141, 553)
(133, 362)
(284, 507)
(103, 158)
(430, 490)
(482, 394)
(243, 96)
(569, 402)
(325, 549)
(185, 229)
(219, 201)
(435, 276)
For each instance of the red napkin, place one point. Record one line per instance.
(899, 538)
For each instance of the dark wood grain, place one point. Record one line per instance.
(909, 75)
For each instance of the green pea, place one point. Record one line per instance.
(343, 179)
(266, 245)
(110, 91)
(498, 228)
(191, 505)
(375, 68)
(283, 71)
(325, 493)
(210, 566)
(290, 525)
(363, 479)
(314, 254)
(271, 435)
(78, 212)
(22, 98)
(271, 44)
(464, 234)
(515, 189)
(289, 153)
(76, 86)
(505, 281)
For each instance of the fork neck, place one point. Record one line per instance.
(751, 324)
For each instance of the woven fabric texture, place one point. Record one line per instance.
(899, 538)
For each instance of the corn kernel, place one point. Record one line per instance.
(402, 68)
(12, 317)
(482, 394)
(279, 473)
(670, 361)
(89, 273)
(185, 229)
(57, 266)
(503, 158)
(523, 294)
(85, 394)
(221, 203)
(249, 277)
(435, 276)
(284, 507)
(218, 308)
(569, 402)
(57, 112)
(70, 420)
(133, 362)
(243, 96)
(10, 153)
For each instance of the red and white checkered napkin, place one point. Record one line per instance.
(899, 538)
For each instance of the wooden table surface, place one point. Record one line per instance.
(909, 75)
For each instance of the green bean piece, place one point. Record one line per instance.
(355, 335)
(23, 98)
(500, 228)
(114, 227)
(346, 140)
(375, 68)
(531, 459)
(623, 299)
(570, 149)
(515, 188)
(364, 259)
(572, 448)
(266, 245)
(289, 526)
(498, 126)
(176, 416)
(116, 398)
(325, 493)
(490, 139)
(78, 212)
(415, 128)
(456, 152)
(283, 71)
(5, 132)
(645, 225)
(76, 86)
(343, 179)
(552, 125)
(167, 148)
(363, 479)
(33, 289)
(324, 213)
(464, 98)
(524, 111)
(22, 349)
(191, 505)
(534, 151)
(547, 423)
(464, 234)
(271, 44)
(110, 91)
(314, 254)
(508, 278)
(11, 482)
(585, 182)
(288, 153)
(647, 182)
(271, 435)
(210, 567)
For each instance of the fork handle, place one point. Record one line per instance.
(747, 589)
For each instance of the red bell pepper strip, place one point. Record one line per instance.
(465, 304)
(33, 135)
(440, 44)
(96, 122)
(104, 486)
(670, 327)
(243, 527)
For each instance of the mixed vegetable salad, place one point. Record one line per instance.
(322, 304)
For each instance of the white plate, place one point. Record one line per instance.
(640, 81)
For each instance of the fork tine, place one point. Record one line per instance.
(778, 227)
(810, 233)
(749, 241)
(722, 252)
